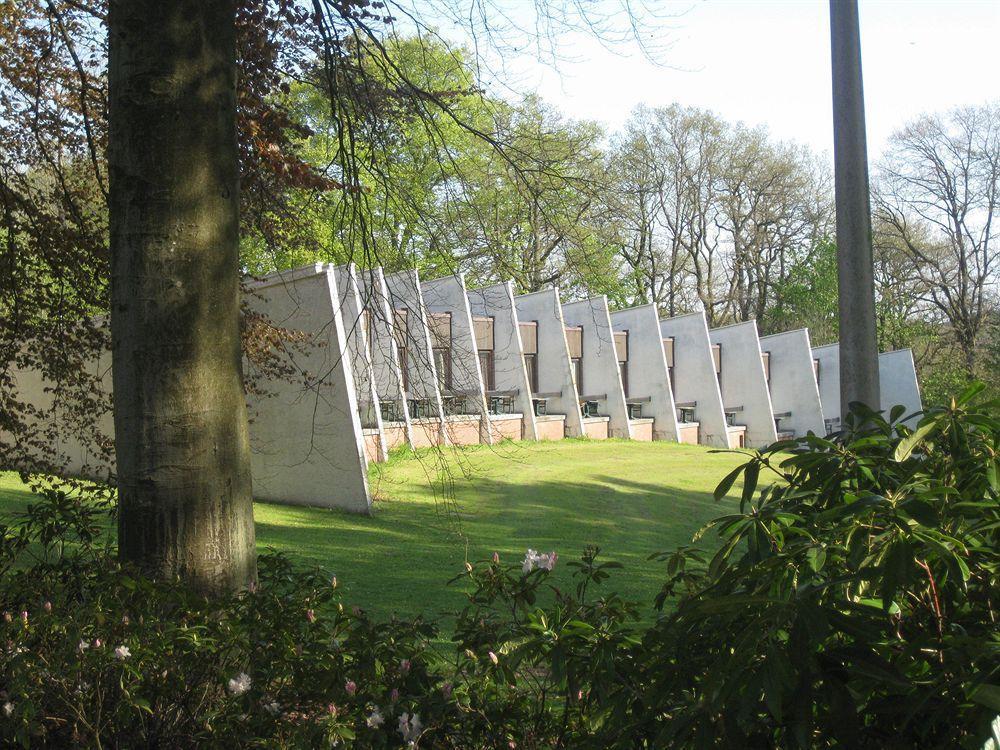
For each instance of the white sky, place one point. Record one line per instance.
(769, 63)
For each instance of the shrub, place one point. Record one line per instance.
(850, 602)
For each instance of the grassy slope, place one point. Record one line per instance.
(436, 509)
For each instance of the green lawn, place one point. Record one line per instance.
(435, 509)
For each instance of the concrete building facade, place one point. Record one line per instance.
(746, 399)
(788, 367)
(688, 352)
(415, 353)
(597, 375)
(644, 373)
(509, 389)
(897, 382)
(457, 360)
(547, 361)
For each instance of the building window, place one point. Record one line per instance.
(816, 370)
(442, 363)
(668, 352)
(717, 357)
(578, 373)
(403, 369)
(765, 358)
(531, 365)
(486, 366)
(621, 350)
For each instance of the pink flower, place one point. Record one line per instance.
(332, 709)
(24, 616)
(404, 666)
(310, 615)
(122, 652)
(47, 606)
(351, 687)
(394, 695)
(494, 658)
(496, 558)
(97, 643)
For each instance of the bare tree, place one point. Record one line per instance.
(937, 198)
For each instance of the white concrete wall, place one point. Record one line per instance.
(600, 361)
(743, 382)
(694, 375)
(369, 410)
(448, 295)
(497, 302)
(897, 377)
(647, 368)
(793, 385)
(404, 293)
(71, 447)
(306, 438)
(555, 374)
(388, 378)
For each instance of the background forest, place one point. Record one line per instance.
(679, 207)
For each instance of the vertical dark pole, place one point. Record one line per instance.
(855, 270)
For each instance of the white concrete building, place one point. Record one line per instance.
(595, 368)
(644, 374)
(502, 362)
(788, 366)
(356, 326)
(306, 438)
(411, 330)
(457, 360)
(389, 380)
(691, 369)
(746, 399)
(547, 361)
(897, 377)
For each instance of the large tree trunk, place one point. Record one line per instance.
(855, 263)
(181, 434)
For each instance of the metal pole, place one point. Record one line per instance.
(855, 270)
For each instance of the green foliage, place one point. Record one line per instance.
(852, 602)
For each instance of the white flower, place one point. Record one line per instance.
(530, 559)
(122, 652)
(82, 646)
(375, 719)
(239, 684)
(273, 708)
(410, 727)
(533, 558)
(8, 708)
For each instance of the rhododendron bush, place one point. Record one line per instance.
(851, 603)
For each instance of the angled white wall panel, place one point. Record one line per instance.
(555, 374)
(694, 380)
(412, 329)
(743, 383)
(356, 328)
(601, 376)
(386, 371)
(448, 296)
(648, 377)
(497, 302)
(897, 382)
(793, 386)
(897, 377)
(306, 438)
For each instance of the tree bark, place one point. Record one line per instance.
(181, 435)
(855, 262)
